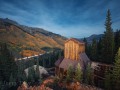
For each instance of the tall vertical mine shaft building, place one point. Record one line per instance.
(74, 54)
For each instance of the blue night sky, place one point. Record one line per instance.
(70, 18)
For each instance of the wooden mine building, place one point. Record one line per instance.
(74, 53)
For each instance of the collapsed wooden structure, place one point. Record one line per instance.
(99, 70)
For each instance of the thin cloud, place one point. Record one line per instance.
(70, 18)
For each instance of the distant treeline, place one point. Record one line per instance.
(96, 51)
(106, 47)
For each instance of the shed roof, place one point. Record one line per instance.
(57, 63)
(83, 61)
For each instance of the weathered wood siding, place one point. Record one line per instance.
(73, 49)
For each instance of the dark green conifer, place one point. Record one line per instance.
(69, 76)
(78, 74)
(94, 50)
(116, 72)
(108, 41)
(108, 80)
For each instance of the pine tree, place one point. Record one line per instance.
(108, 41)
(99, 50)
(108, 80)
(7, 63)
(89, 51)
(11, 78)
(62, 53)
(37, 72)
(86, 44)
(44, 62)
(59, 54)
(89, 75)
(116, 71)
(78, 74)
(1, 84)
(20, 72)
(11, 81)
(49, 59)
(94, 50)
(31, 74)
(69, 76)
(117, 40)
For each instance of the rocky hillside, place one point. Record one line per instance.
(26, 40)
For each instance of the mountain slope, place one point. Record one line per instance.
(94, 36)
(28, 40)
